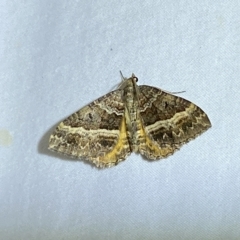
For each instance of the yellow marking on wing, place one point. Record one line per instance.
(121, 143)
(152, 147)
(158, 151)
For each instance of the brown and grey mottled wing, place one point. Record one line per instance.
(96, 132)
(169, 122)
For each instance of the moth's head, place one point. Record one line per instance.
(134, 78)
(125, 81)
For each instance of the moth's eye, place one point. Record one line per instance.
(136, 79)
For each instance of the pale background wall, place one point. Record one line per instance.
(57, 56)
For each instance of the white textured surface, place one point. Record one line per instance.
(56, 56)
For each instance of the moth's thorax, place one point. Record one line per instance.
(131, 111)
(130, 94)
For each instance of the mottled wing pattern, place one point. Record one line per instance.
(96, 132)
(168, 122)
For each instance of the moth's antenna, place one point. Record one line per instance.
(178, 92)
(122, 75)
(173, 92)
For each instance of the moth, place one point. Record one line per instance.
(140, 119)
